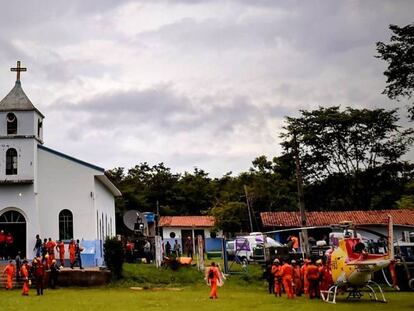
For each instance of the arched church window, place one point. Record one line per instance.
(11, 161)
(11, 124)
(65, 225)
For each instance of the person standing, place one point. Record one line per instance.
(60, 247)
(177, 248)
(54, 273)
(276, 271)
(51, 245)
(9, 271)
(78, 251)
(38, 246)
(18, 261)
(9, 245)
(39, 273)
(312, 272)
(268, 276)
(2, 244)
(168, 249)
(147, 251)
(297, 279)
(287, 279)
(189, 246)
(213, 277)
(303, 273)
(72, 253)
(24, 273)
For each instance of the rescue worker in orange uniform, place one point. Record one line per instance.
(303, 273)
(312, 273)
(50, 245)
(297, 278)
(60, 247)
(286, 271)
(9, 271)
(213, 277)
(325, 276)
(72, 253)
(295, 241)
(24, 274)
(276, 271)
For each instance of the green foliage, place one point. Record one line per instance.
(231, 217)
(114, 256)
(399, 54)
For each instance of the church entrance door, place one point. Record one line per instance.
(14, 222)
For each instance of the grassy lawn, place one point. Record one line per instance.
(190, 298)
(241, 292)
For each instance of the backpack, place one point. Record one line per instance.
(211, 274)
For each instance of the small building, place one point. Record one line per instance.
(181, 227)
(370, 223)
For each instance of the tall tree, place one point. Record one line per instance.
(399, 54)
(334, 141)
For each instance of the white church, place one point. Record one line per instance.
(46, 192)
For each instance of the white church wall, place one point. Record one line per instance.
(21, 198)
(104, 204)
(65, 184)
(25, 158)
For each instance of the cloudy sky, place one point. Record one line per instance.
(191, 83)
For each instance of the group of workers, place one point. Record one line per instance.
(309, 278)
(46, 250)
(44, 259)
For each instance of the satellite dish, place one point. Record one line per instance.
(130, 219)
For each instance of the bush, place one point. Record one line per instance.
(114, 256)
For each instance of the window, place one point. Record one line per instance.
(65, 225)
(11, 162)
(39, 127)
(11, 124)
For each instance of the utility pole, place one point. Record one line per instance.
(248, 208)
(157, 219)
(301, 197)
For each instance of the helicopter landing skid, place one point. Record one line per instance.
(355, 293)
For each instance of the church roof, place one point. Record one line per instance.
(17, 100)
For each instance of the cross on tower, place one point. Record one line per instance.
(18, 69)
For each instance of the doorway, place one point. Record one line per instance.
(14, 223)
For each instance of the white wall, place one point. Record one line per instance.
(105, 206)
(167, 230)
(65, 184)
(26, 122)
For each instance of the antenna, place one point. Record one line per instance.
(130, 219)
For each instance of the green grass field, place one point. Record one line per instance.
(242, 292)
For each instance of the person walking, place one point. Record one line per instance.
(168, 249)
(297, 279)
(24, 272)
(276, 272)
(18, 261)
(177, 249)
(312, 272)
(9, 271)
(189, 247)
(213, 277)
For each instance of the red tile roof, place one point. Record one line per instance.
(292, 219)
(186, 221)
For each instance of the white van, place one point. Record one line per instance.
(244, 246)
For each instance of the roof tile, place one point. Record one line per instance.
(186, 221)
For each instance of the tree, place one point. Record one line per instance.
(345, 142)
(231, 217)
(399, 54)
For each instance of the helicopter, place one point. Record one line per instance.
(352, 266)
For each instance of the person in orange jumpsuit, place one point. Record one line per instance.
(303, 273)
(72, 253)
(24, 273)
(295, 241)
(60, 247)
(325, 277)
(50, 245)
(286, 271)
(312, 273)
(9, 271)
(297, 278)
(213, 277)
(276, 271)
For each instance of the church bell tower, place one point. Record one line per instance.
(21, 130)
